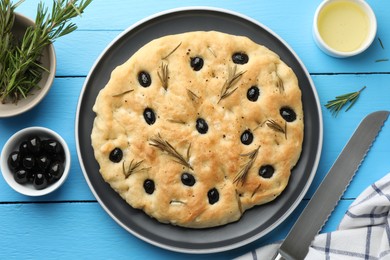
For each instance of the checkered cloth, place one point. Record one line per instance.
(364, 232)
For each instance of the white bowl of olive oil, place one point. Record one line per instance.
(344, 28)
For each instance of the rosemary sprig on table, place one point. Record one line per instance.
(383, 47)
(340, 101)
(241, 175)
(233, 78)
(20, 69)
(165, 146)
(381, 43)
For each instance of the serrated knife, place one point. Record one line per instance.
(296, 245)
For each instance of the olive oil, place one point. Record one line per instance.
(343, 25)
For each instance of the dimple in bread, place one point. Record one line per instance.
(198, 127)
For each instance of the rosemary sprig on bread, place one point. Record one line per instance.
(165, 146)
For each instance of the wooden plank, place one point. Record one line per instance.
(57, 111)
(84, 230)
(292, 20)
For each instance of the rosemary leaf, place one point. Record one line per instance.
(192, 96)
(212, 52)
(164, 75)
(381, 43)
(276, 127)
(381, 60)
(188, 153)
(165, 146)
(279, 83)
(233, 78)
(176, 121)
(256, 190)
(241, 175)
(239, 202)
(133, 168)
(339, 102)
(169, 54)
(123, 93)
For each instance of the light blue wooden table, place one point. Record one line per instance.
(71, 224)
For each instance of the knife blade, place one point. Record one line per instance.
(296, 245)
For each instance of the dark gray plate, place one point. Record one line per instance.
(256, 222)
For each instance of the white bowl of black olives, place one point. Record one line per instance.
(35, 161)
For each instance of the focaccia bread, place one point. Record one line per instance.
(196, 128)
